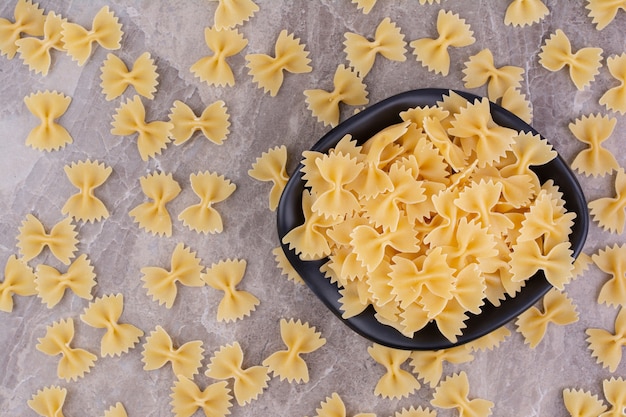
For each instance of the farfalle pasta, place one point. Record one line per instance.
(271, 166)
(116, 410)
(19, 279)
(428, 364)
(610, 212)
(396, 382)
(419, 411)
(289, 55)
(86, 176)
(74, 362)
(161, 283)
(48, 106)
(605, 346)
(615, 98)
(581, 403)
(361, 52)
(514, 101)
(52, 284)
(225, 276)
(213, 122)
(152, 215)
(604, 12)
(49, 401)
(453, 392)
(159, 349)
(525, 12)
(365, 6)
(105, 30)
(29, 19)
(433, 53)
(593, 130)
(615, 394)
(612, 261)
(116, 77)
(285, 266)
(333, 406)
(213, 69)
(481, 70)
(61, 240)
(187, 398)
(231, 13)
(489, 341)
(35, 52)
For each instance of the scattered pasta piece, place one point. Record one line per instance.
(231, 13)
(61, 240)
(593, 130)
(453, 392)
(159, 349)
(285, 266)
(581, 403)
(333, 406)
(211, 189)
(213, 122)
(289, 55)
(433, 53)
(606, 346)
(51, 284)
(225, 276)
(584, 64)
(491, 340)
(581, 264)
(348, 89)
(105, 30)
(74, 362)
(481, 70)
(610, 212)
(116, 77)
(116, 410)
(604, 12)
(19, 279)
(428, 365)
(419, 411)
(515, 102)
(104, 313)
(365, 6)
(49, 401)
(612, 260)
(86, 176)
(29, 19)
(35, 52)
(214, 70)
(161, 283)
(615, 98)
(615, 394)
(152, 137)
(396, 382)
(361, 52)
(153, 216)
(300, 338)
(187, 398)
(48, 106)
(557, 309)
(525, 12)
(272, 166)
(249, 383)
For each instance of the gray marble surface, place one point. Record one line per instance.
(520, 381)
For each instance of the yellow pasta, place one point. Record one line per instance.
(583, 64)
(231, 13)
(51, 284)
(361, 52)
(581, 403)
(225, 276)
(333, 406)
(29, 19)
(74, 362)
(433, 53)
(213, 122)
(105, 30)
(48, 106)
(86, 176)
(187, 398)
(248, 384)
(153, 216)
(593, 130)
(348, 89)
(214, 70)
(396, 382)
(514, 101)
(365, 6)
(104, 313)
(612, 260)
(161, 283)
(159, 349)
(490, 340)
(61, 240)
(130, 119)
(481, 70)
(605, 346)
(428, 364)
(272, 166)
(19, 279)
(116, 410)
(604, 12)
(336, 171)
(211, 189)
(285, 266)
(289, 55)
(49, 401)
(453, 392)
(615, 98)
(615, 394)
(610, 212)
(35, 52)
(525, 12)
(116, 76)
(300, 338)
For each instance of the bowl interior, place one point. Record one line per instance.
(364, 125)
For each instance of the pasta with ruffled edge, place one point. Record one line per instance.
(271, 166)
(48, 106)
(593, 130)
(333, 406)
(610, 212)
(581, 403)
(480, 70)
(159, 349)
(33, 238)
(615, 394)
(231, 13)
(51, 284)
(396, 382)
(514, 101)
(214, 400)
(365, 6)
(213, 69)
(116, 77)
(453, 392)
(615, 98)
(49, 401)
(35, 52)
(19, 279)
(153, 216)
(525, 12)
(419, 411)
(612, 261)
(29, 19)
(225, 276)
(86, 176)
(605, 346)
(604, 12)
(428, 365)
(285, 266)
(213, 122)
(116, 410)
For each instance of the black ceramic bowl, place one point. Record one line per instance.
(364, 125)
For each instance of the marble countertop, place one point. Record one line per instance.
(520, 381)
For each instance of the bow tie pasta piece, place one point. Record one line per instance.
(603, 12)
(605, 346)
(61, 240)
(428, 365)
(210, 188)
(388, 42)
(615, 98)
(51, 284)
(581, 403)
(48, 106)
(452, 153)
(104, 313)
(116, 77)
(528, 150)
(49, 401)
(19, 279)
(419, 411)
(249, 383)
(612, 260)
(35, 52)
(272, 166)
(231, 13)
(214, 400)
(116, 410)
(86, 176)
(29, 19)
(213, 122)
(584, 64)
(159, 349)
(514, 101)
(74, 362)
(453, 392)
(285, 266)
(161, 283)
(610, 212)
(225, 276)
(433, 53)
(481, 199)
(593, 130)
(337, 171)
(525, 12)
(396, 382)
(214, 70)
(153, 216)
(290, 56)
(105, 30)
(481, 70)
(300, 338)
(615, 394)
(333, 406)
(489, 341)
(365, 6)
(348, 89)
(529, 257)
(130, 118)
